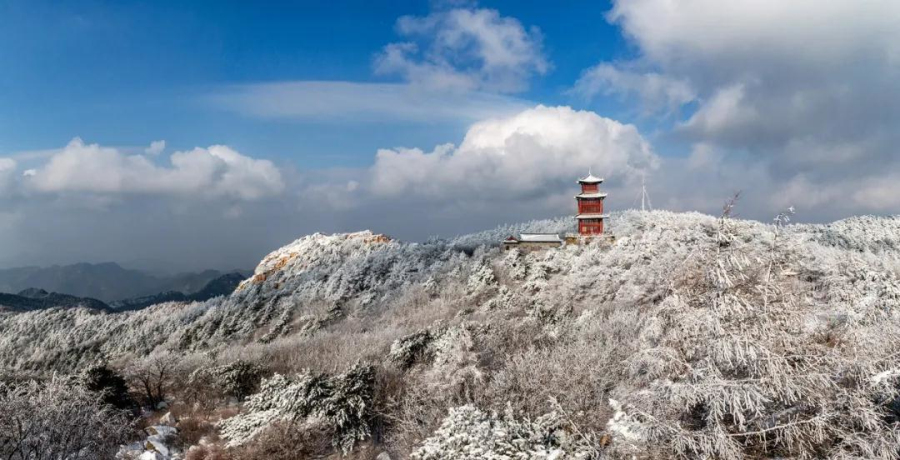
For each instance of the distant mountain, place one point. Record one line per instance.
(105, 281)
(223, 285)
(39, 299)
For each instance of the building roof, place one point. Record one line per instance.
(540, 238)
(591, 195)
(590, 179)
(592, 216)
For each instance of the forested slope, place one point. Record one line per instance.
(689, 336)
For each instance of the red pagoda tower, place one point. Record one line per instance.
(590, 206)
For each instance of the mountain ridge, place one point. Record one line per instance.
(219, 286)
(107, 281)
(37, 299)
(686, 336)
(31, 299)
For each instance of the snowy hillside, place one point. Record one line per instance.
(690, 336)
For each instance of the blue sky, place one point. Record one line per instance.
(127, 73)
(204, 134)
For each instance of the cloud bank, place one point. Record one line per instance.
(216, 171)
(802, 93)
(202, 208)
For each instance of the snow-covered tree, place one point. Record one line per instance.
(58, 419)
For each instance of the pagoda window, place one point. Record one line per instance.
(590, 207)
(590, 227)
(590, 188)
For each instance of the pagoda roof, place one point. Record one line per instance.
(590, 179)
(591, 216)
(591, 195)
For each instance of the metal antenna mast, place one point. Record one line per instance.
(645, 197)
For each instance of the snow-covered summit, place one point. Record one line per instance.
(299, 254)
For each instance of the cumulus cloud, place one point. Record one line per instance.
(155, 148)
(216, 171)
(656, 92)
(801, 93)
(465, 49)
(808, 32)
(538, 151)
(724, 115)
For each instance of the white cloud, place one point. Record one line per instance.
(216, 171)
(155, 148)
(740, 32)
(727, 110)
(802, 93)
(657, 92)
(774, 70)
(7, 164)
(340, 101)
(703, 157)
(7, 173)
(879, 193)
(538, 151)
(465, 49)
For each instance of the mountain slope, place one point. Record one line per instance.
(686, 337)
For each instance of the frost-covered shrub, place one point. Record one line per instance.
(470, 434)
(481, 278)
(279, 398)
(407, 350)
(349, 406)
(567, 376)
(343, 402)
(58, 420)
(430, 286)
(455, 370)
(107, 382)
(238, 379)
(515, 264)
(153, 376)
(502, 301)
(286, 441)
